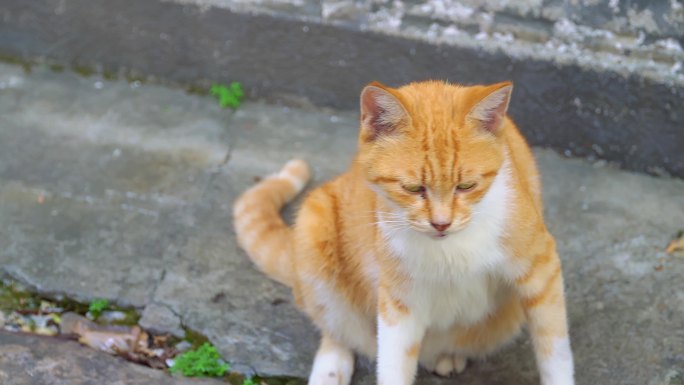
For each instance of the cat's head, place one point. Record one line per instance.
(432, 150)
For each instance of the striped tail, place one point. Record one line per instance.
(261, 231)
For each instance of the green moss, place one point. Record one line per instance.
(71, 305)
(14, 297)
(56, 68)
(249, 381)
(194, 89)
(109, 75)
(131, 318)
(27, 65)
(203, 362)
(83, 70)
(135, 78)
(195, 338)
(239, 379)
(284, 381)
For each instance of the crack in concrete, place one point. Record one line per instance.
(160, 280)
(231, 144)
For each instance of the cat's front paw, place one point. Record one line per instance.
(450, 364)
(330, 376)
(332, 368)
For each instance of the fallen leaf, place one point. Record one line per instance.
(677, 245)
(160, 340)
(108, 338)
(114, 341)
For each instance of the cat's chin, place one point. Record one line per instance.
(438, 236)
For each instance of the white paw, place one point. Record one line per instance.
(450, 364)
(460, 364)
(332, 368)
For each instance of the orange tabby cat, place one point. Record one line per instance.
(431, 249)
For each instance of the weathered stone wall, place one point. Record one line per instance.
(641, 36)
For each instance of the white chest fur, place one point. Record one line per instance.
(456, 279)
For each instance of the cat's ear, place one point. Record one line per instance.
(382, 113)
(491, 106)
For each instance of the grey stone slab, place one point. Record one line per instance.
(160, 319)
(156, 227)
(99, 180)
(35, 360)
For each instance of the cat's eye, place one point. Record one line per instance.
(416, 189)
(465, 186)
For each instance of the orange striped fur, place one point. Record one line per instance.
(430, 249)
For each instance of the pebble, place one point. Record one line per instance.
(183, 346)
(111, 316)
(41, 321)
(47, 331)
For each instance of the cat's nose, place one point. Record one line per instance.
(440, 226)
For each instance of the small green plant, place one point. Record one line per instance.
(203, 362)
(230, 96)
(249, 381)
(97, 306)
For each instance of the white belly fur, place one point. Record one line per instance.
(458, 279)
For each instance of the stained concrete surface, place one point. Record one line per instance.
(123, 191)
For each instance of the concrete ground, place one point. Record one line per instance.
(123, 191)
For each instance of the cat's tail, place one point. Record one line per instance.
(261, 231)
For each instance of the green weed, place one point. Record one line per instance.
(249, 381)
(97, 306)
(230, 96)
(203, 362)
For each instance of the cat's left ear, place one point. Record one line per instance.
(491, 108)
(382, 112)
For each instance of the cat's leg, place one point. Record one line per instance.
(399, 339)
(541, 293)
(333, 365)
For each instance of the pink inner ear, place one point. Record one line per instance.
(379, 124)
(494, 119)
(492, 109)
(378, 111)
(372, 110)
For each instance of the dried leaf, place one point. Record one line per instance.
(677, 245)
(109, 338)
(112, 341)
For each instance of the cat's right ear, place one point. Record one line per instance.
(382, 113)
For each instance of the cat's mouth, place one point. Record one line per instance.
(439, 235)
